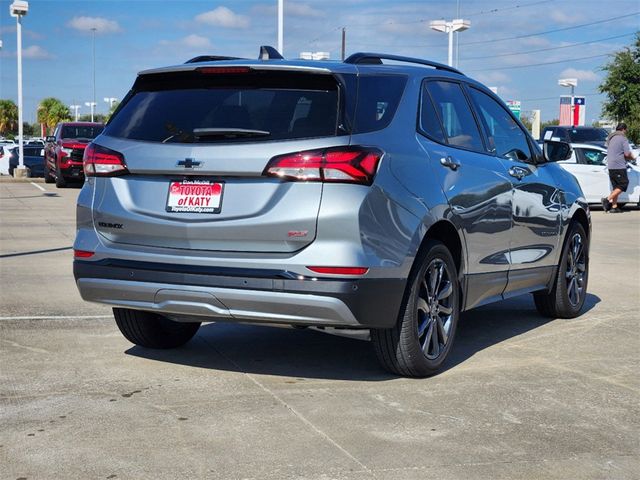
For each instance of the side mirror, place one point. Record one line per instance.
(556, 151)
(50, 139)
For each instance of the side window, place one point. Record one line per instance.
(429, 121)
(593, 157)
(506, 138)
(378, 100)
(454, 110)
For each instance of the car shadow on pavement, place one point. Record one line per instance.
(492, 324)
(308, 353)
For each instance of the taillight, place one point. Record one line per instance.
(100, 161)
(82, 253)
(336, 164)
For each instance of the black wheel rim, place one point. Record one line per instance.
(576, 271)
(435, 309)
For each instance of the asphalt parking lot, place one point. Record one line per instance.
(523, 398)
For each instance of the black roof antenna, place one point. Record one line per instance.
(269, 53)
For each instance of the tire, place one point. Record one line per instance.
(60, 181)
(419, 343)
(46, 173)
(567, 296)
(151, 330)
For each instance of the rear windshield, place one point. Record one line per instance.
(81, 131)
(195, 107)
(588, 135)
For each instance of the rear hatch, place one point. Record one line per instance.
(196, 144)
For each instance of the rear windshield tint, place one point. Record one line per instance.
(378, 99)
(193, 107)
(81, 131)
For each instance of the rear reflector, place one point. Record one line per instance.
(340, 270)
(100, 161)
(82, 254)
(337, 164)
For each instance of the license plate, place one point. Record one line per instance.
(195, 196)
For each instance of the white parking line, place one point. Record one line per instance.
(38, 186)
(57, 317)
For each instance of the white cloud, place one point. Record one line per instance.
(102, 25)
(559, 16)
(36, 52)
(301, 10)
(223, 17)
(190, 42)
(492, 78)
(584, 75)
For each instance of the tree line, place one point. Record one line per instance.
(51, 111)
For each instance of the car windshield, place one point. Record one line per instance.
(588, 135)
(81, 131)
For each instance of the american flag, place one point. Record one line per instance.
(578, 110)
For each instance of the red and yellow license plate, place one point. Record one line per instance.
(195, 196)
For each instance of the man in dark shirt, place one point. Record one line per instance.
(618, 153)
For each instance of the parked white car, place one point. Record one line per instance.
(588, 163)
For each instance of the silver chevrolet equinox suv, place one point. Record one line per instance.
(385, 193)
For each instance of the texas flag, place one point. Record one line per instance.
(579, 109)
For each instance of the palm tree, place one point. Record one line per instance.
(52, 111)
(8, 116)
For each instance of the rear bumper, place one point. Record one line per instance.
(240, 294)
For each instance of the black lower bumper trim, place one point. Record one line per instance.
(374, 302)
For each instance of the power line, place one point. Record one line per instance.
(479, 42)
(550, 48)
(540, 64)
(423, 20)
(552, 31)
(556, 97)
(495, 10)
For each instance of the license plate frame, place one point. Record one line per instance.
(198, 194)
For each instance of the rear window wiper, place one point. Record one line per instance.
(229, 132)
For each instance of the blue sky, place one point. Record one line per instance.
(139, 34)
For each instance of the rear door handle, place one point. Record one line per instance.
(449, 162)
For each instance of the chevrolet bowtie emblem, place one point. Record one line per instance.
(188, 163)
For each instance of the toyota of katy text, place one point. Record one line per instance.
(383, 193)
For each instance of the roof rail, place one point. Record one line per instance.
(269, 53)
(210, 58)
(366, 58)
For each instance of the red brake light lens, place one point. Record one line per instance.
(82, 254)
(340, 270)
(336, 164)
(100, 161)
(223, 70)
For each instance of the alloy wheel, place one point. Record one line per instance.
(576, 269)
(435, 309)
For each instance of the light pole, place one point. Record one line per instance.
(573, 83)
(91, 105)
(93, 98)
(19, 9)
(281, 27)
(110, 101)
(75, 109)
(456, 25)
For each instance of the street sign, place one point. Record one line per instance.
(514, 106)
